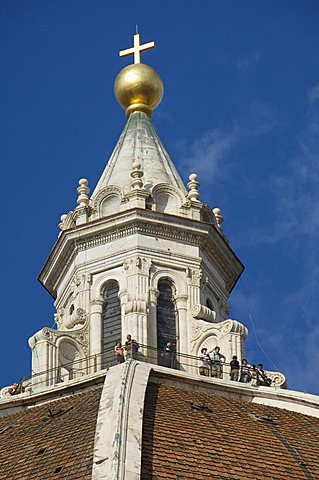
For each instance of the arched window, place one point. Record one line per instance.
(166, 316)
(111, 322)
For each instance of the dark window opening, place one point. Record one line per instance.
(58, 470)
(166, 318)
(111, 322)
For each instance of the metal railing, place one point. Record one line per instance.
(78, 369)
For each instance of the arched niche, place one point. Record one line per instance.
(165, 315)
(111, 321)
(166, 203)
(70, 360)
(110, 205)
(106, 202)
(167, 199)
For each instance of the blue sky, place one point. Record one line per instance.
(241, 109)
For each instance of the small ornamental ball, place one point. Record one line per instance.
(193, 176)
(83, 181)
(216, 211)
(136, 166)
(63, 217)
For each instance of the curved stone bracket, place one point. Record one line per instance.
(201, 312)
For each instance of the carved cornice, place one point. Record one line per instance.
(146, 222)
(51, 336)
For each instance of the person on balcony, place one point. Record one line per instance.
(119, 353)
(14, 390)
(168, 354)
(217, 360)
(261, 377)
(245, 376)
(204, 363)
(131, 347)
(234, 369)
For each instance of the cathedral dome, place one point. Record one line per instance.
(138, 88)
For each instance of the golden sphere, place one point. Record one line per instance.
(138, 88)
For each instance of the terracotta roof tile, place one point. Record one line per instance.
(42, 439)
(196, 435)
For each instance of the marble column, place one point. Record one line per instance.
(95, 327)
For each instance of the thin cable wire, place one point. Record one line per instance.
(253, 325)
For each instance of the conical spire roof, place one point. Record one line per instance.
(140, 143)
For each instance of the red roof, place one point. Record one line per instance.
(194, 435)
(52, 440)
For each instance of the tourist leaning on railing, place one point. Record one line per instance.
(245, 376)
(131, 347)
(119, 353)
(204, 363)
(217, 359)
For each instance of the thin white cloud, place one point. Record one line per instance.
(209, 155)
(313, 93)
(248, 60)
(295, 211)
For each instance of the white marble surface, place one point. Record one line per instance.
(118, 438)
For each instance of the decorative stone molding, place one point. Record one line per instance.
(78, 317)
(228, 334)
(67, 221)
(97, 301)
(135, 222)
(203, 313)
(197, 331)
(177, 279)
(82, 339)
(136, 265)
(48, 334)
(135, 306)
(167, 188)
(58, 317)
(104, 193)
(278, 379)
(181, 300)
(232, 326)
(81, 282)
(194, 276)
(110, 192)
(173, 198)
(153, 293)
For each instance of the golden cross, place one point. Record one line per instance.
(137, 49)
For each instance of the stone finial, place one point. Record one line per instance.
(193, 186)
(137, 174)
(83, 190)
(62, 218)
(218, 216)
